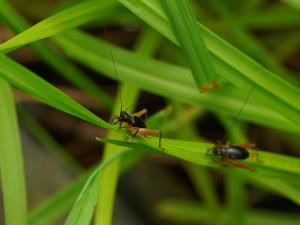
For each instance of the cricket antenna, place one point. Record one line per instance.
(113, 60)
(239, 113)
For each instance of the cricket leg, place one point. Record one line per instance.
(140, 113)
(236, 163)
(134, 131)
(145, 132)
(247, 145)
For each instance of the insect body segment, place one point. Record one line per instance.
(232, 154)
(128, 120)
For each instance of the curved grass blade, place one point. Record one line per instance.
(270, 168)
(268, 165)
(195, 213)
(35, 86)
(244, 70)
(11, 162)
(71, 17)
(56, 206)
(83, 210)
(272, 18)
(52, 58)
(109, 177)
(170, 81)
(248, 42)
(146, 45)
(185, 28)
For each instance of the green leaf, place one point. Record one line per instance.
(83, 209)
(11, 164)
(35, 86)
(195, 213)
(52, 58)
(268, 164)
(71, 17)
(184, 25)
(127, 95)
(232, 64)
(170, 80)
(57, 205)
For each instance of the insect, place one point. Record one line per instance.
(132, 122)
(232, 154)
(135, 124)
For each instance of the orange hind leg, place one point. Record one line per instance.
(145, 132)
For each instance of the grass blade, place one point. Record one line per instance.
(35, 86)
(227, 100)
(52, 58)
(184, 25)
(195, 213)
(268, 85)
(11, 165)
(146, 45)
(248, 42)
(110, 176)
(57, 205)
(71, 17)
(83, 210)
(273, 167)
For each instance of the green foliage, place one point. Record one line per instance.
(273, 103)
(184, 24)
(11, 164)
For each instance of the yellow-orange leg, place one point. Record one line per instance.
(252, 154)
(140, 113)
(247, 145)
(145, 132)
(236, 163)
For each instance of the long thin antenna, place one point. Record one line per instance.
(113, 60)
(239, 113)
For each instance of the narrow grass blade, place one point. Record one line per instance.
(126, 96)
(35, 86)
(56, 206)
(49, 212)
(71, 17)
(235, 199)
(203, 183)
(248, 42)
(184, 25)
(57, 62)
(109, 178)
(11, 163)
(286, 188)
(171, 81)
(83, 209)
(272, 18)
(268, 85)
(193, 212)
(269, 165)
(235, 185)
